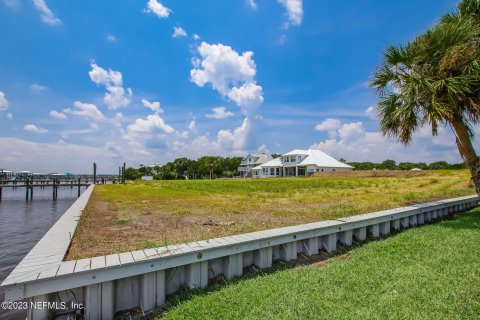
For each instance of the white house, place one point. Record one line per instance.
(299, 163)
(252, 160)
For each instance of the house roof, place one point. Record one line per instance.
(296, 152)
(320, 159)
(277, 162)
(262, 157)
(314, 157)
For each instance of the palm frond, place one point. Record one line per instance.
(433, 79)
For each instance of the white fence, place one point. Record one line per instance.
(142, 279)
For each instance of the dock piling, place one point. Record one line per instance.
(94, 173)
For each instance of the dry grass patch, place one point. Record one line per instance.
(156, 213)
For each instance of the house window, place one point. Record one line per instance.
(272, 171)
(299, 158)
(322, 170)
(333, 170)
(286, 159)
(292, 159)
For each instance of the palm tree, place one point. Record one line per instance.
(434, 81)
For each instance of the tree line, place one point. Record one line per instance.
(392, 165)
(214, 167)
(208, 167)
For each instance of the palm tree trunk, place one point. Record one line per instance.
(465, 147)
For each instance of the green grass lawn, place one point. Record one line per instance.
(429, 272)
(150, 214)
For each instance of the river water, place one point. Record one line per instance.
(23, 223)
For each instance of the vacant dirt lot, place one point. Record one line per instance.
(156, 213)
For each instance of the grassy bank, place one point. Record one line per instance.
(431, 272)
(155, 213)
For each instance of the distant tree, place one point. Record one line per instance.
(180, 167)
(231, 165)
(342, 160)
(461, 165)
(407, 165)
(276, 155)
(439, 165)
(132, 174)
(389, 165)
(363, 165)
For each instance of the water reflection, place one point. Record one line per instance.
(23, 224)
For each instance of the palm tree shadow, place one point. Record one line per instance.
(464, 220)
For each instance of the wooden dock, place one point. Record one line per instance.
(31, 184)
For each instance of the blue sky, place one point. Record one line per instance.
(147, 81)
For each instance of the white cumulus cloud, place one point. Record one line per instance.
(57, 115)
(179, 32)
(38, 88)
(233, 76)
(371, 112)
(75, 158)
(150, 124)
(294, 11)
(46, 14)
(226, 143)
(105, 77)
(222, 67)
(86, 110)
(154, 106)
(153, 6)
(219, 113)
(354, 143)
(236, 139)
(330, 125)
(3, 102)
(116, 96)
(34, 129)
(248, 97)
(147, 133)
